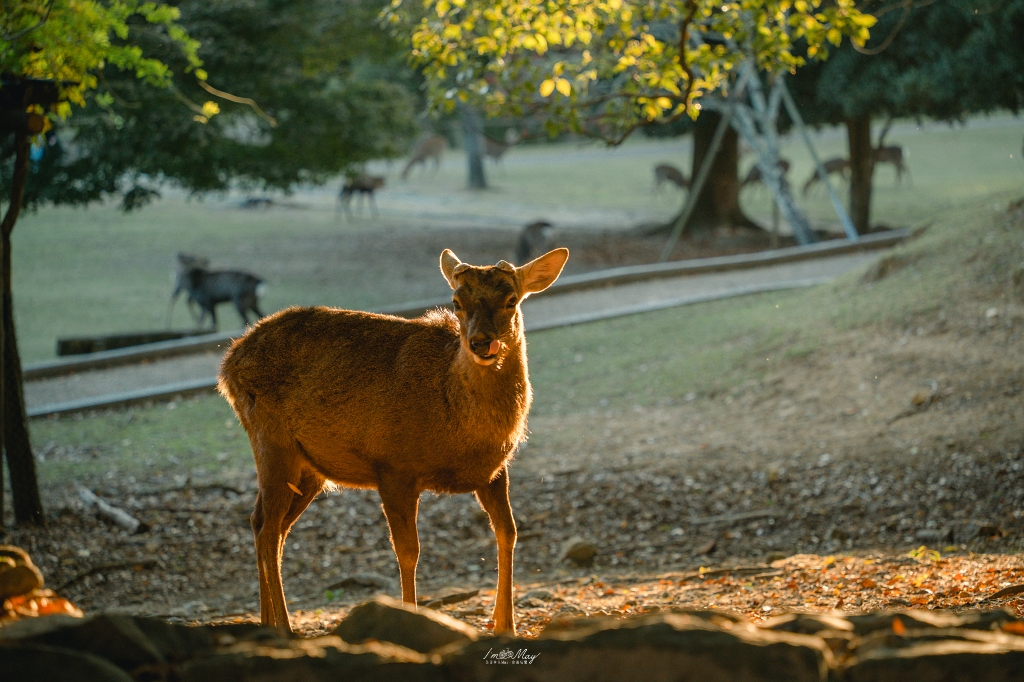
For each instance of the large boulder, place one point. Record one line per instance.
(388, 620)
(671, 647)
(40, 663)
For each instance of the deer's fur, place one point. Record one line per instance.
(431, 147)
(835, 165)
(401, 406)
(666, 172)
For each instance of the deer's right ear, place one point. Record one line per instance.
(449, 261)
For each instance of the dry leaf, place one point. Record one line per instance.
(295, 488)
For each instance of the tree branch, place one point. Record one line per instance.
(908, 5)
(19, 34)
(239, 100)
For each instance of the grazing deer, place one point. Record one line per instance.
(428, 148)
(666, 172)
(373, 401)
(754, 175)
(363, 185)
(533, 239)
(495, 149)
(207, 288)
(893, 155)
(830, 166)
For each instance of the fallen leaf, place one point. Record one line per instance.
(295, 488)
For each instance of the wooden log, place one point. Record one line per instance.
(112, 514)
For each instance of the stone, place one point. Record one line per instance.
(662, 648)
(578, 551)
(177, 643)
(938, 656)
(40, 663)
(389, 620)
(916, 620)
(113, 637)
(807, 623)
(18, 580)
(542, 595)
(325, 659)
(364, 580)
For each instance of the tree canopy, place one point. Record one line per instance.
(289, 92)
(604, 67)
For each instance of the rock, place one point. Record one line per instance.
(543, 595)
(389, 620)
(925, 620)
(807, 623)
(40, 663)
(325, 659)
(178, 643)
(934, 535)
(578, 551)
(664, 647)
(113, 637)
(18, 580)
(944, 655)
(366, 580)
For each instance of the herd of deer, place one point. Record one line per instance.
(893, 155)
(430, 148)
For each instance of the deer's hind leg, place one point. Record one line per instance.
(278, 468)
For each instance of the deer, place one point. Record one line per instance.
(208, 288)
(373, 401)
(754, 175)
(893, 155)
(666, 172)
(830, 166)
(431, 147)
(533, 239)
(364, 185)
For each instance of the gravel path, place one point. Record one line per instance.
(542, 311)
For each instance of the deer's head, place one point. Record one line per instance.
(487, 299)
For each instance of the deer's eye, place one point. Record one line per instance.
(456, 304)
(511, 302)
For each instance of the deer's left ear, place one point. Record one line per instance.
(539, 274)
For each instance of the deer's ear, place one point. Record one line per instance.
(539, 274)
(449, 261)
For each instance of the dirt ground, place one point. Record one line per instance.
(816, 481)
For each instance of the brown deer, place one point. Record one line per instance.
(666, 172)
(754, 175)
(830, 166)
(495, 149)
(363, 185)
(893, 155)
(401, 406)
(428, 148)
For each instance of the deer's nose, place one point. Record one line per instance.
(484, 344)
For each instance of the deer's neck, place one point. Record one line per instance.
(496, 398)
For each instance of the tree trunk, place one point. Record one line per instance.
(472, 135)
(28, 508)
(719, 201)
(858, 133)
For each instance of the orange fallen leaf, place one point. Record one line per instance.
(868, 583)
(898, 627)
(295, 488)
(1016, 628)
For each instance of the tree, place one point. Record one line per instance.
(603, 68)
(943, 60)
(68, 42)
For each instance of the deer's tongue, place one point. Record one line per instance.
(494, 347)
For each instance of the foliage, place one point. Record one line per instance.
(942, 60)
(73, 40)
(296, 92)
(604, 67)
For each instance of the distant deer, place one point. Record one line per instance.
(363, 185)
(495, 149)
(754, 174)
(533, 239)
(830, 166)
(373, 401)
(428, 148)
(666, 172)
(893, 155)
(207, 288)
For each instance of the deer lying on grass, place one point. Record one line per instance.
(373, 401)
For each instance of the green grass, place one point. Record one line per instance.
(643, 359)
(98, 271)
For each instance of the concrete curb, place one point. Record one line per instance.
(590, 280)
(205, 385)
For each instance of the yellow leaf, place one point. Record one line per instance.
(563, 86)
(442, 7)
(664, 102)
(210, 109)
(547, 87)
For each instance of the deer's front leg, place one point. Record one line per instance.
(494, 499)
(401, 501)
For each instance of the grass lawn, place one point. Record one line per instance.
(98, 271)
